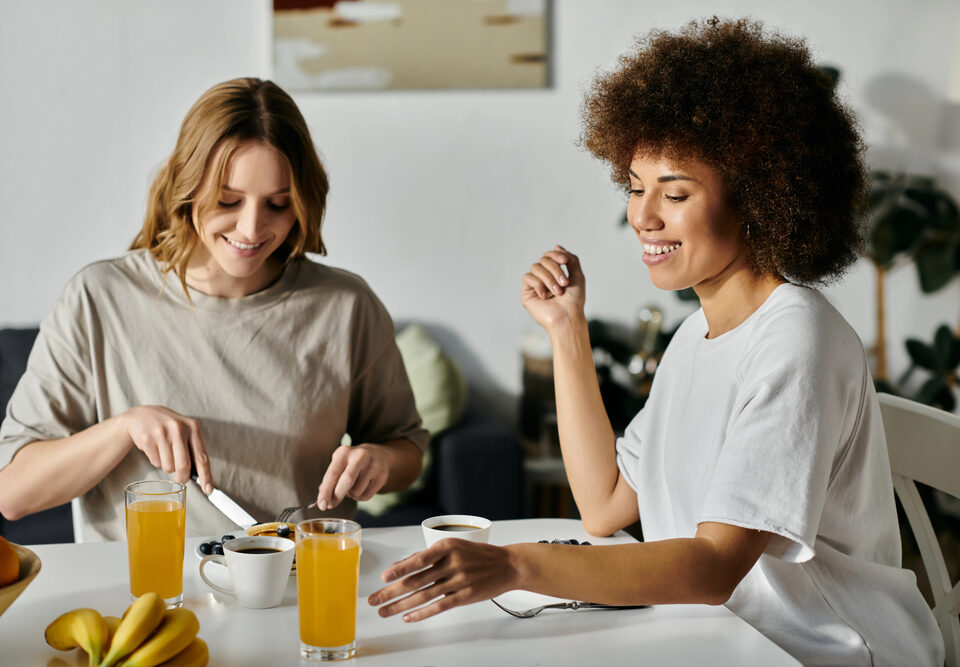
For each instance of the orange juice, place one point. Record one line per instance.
(155, 536)
(327, 572)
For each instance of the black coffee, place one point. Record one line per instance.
(455, 527)
(257, 550)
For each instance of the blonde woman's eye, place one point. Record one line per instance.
(228, 204)
(278, 207)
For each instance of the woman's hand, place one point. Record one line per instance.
(170, 441)
(551, 297)
(357, 472)
(449, 574)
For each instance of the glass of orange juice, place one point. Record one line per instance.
(156, 526)
(328, 567)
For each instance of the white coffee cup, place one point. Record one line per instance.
(462, 526)
(259, 579)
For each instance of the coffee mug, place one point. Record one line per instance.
(259, 568)
(463, 526)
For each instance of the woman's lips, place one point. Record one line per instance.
(657, 253)
(242, 249)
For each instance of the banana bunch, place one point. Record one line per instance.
(146, 636)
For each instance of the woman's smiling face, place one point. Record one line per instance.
(252, 217)
(682, 215)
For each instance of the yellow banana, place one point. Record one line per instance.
(81, 627)
(175, 632)
(112, 624)
(139, 621)
(195, 655)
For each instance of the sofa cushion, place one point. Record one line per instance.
(15, 346)
(440, 392)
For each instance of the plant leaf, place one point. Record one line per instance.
(885, 387)
(931, 389)
(882, 242)
(943, 344)
(936, 263)
(921, 354)
(908, 226)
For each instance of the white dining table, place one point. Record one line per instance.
(95, 575)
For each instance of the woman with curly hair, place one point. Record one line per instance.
(253, 362)
(758, 466)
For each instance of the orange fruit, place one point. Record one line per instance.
(9, 563)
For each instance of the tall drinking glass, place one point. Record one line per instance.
(328, 567)
(156, 526)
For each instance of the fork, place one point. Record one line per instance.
(288, 512)
(530, 613)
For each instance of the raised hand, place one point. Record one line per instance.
(449, 574)
(169, 440)
(552, 297)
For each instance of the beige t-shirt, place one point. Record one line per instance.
(275, 380)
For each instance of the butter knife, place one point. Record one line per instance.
(227, 505)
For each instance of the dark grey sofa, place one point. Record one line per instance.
(478, 467)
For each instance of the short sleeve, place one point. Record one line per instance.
(54, 397)
(628, 450)
(790, 417)
(382, 406)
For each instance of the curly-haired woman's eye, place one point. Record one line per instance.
(631, 193)
(677, 198)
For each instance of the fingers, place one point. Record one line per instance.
(354, 472)
(169, 440)
(200, 458)
(326, 492)
(551, 273)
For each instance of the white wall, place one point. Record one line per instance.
(441, 200)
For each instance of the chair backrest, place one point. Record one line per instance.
(924, 446)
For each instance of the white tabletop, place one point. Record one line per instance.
(95, 575)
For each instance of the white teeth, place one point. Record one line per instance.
(659, 249)
(241, 246)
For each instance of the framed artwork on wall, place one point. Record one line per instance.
(331, 45)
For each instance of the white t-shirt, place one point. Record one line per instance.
(775, 426)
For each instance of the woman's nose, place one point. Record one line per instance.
(643, 215)
(251, 221)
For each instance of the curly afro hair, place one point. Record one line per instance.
(755, 108)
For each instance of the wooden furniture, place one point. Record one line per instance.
(95, 575)
(924, 446)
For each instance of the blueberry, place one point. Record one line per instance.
(585, 544)
(283, 530)
(543, 541)
(207, 548)
(217, 549)
(226, 538)
(572, 541)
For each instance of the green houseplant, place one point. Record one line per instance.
(911, 220)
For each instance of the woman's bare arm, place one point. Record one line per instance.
(702, 569)
(47, 473)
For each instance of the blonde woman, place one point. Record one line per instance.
(215, 339)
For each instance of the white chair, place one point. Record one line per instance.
(79, 534)
(924, 446)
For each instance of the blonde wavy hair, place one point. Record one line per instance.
(226, 116)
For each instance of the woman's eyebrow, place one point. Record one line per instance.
(283, 191)
(668, 177)
(676, 177)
